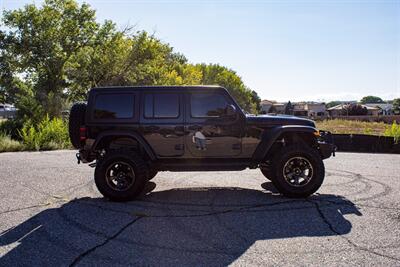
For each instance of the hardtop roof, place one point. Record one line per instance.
(159, 87)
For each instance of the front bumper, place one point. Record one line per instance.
(326, 144)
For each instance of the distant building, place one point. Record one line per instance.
(279, 108)
(384, 109)
(315, 109)
(266, 105)
(302, 109)
(337, 111)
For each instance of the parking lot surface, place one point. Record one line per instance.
(52, 214)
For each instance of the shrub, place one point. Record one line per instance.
(9, 145)
(49, 134)
(11, 128)
(394, 131)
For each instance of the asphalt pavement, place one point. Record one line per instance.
(52, 215)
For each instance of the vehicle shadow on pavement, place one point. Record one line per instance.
(188, 226)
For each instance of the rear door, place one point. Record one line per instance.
(209, 132)
(161, 121)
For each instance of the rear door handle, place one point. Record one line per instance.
(179, 130)
(152, 128)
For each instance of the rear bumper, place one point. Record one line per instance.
(84, 156)
(326, 144)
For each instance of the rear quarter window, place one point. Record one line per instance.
(114, 106)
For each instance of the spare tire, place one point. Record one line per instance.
(76, 120)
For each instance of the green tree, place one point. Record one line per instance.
(333, 103)
(40, 43)
(371, 99)
(256, 100)
(289, 108)
(354, 110)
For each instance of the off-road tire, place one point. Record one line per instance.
(289, 152)
(140, 170)
(151, 174)
(76, 120)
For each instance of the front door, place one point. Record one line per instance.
(209, 131)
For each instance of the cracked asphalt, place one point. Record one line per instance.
(52, 215)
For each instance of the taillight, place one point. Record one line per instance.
(82, 133)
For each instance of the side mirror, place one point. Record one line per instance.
(230, 111)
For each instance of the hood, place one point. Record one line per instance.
(274, 120)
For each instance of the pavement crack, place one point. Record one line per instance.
(108, 239)
(348, 240)
(24, 208)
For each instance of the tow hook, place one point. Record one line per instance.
(78, 157)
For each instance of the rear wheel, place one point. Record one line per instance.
(120, 175)
(297, 171)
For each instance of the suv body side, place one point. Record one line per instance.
(185, 128)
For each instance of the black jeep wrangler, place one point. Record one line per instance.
(134, 132)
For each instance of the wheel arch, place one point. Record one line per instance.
(108, 137)
(274, 138)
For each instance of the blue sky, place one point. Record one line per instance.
(285, 50)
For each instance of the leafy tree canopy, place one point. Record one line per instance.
(354, 110)
(371, 99)
(333, 103)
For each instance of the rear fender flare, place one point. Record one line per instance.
(269, 137)
(149, 151)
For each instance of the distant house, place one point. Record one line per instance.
(384, 109)
(279, 108)
(309, 109)
(299, 109)
(315, 109)
(337, 111)
(302, 109)
(271, 106)
(266, 105)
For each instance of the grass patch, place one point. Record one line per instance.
(9, 145)
(339, 126)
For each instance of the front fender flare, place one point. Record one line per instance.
(269, 137)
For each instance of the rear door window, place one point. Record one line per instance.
(160, 105)
(114, 106)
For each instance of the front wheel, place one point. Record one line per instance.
(120, 175)
(298, 171)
